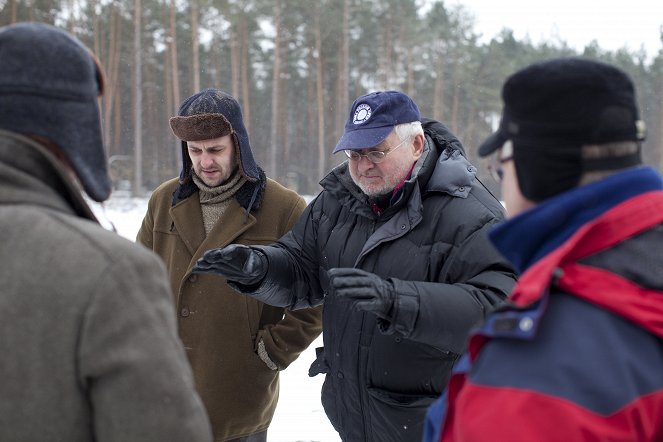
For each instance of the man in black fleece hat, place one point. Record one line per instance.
(89, 343)
(236, 345)
(394, 246)
(576, 353)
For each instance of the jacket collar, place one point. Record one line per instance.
(188, 223)
(552, 222)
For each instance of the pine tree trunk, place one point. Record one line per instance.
(245, 82)
(171, 105)
(112, 68)
(455, 101)
(284, 158)
(410, 88)
(71, 20)
(320, 95)
(235, 48)
(276, 104)
(174, 72)
(343, 70)
(12, 11)
(173, 54)
(438, 87)
(138, 101)
(96, 45)
(195, 47)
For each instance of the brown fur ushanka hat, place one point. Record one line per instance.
(200, 127)
(211, 113)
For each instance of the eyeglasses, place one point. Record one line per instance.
(374, 156)
(504, 154)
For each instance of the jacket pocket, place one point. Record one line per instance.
(396, 416)
(319, 366)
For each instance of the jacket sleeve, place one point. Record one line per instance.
(131, 361)
(145, 234)
(285, 340)
(292, 279)
(441, 314)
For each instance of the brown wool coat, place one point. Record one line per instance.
(220, 328)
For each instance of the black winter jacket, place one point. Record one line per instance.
(432, 243)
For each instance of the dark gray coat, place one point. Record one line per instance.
(88, 338)
(432, 243)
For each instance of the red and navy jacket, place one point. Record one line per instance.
(577, 352)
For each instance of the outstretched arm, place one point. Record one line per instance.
(283, 275)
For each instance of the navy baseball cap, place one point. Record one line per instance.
(373, 117)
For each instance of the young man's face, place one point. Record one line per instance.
(376, 179)
(213, 160)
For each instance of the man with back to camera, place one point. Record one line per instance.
(577, 353)
(89, 342)
(236, 345)
(395, 246)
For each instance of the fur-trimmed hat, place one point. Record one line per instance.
(49, 85)
(211, 113)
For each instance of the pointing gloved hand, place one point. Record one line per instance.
(368, 291)
(238, 263)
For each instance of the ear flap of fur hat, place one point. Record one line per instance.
(49, 84)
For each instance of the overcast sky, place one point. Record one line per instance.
(612, 23)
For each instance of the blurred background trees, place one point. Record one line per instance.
(295, 66)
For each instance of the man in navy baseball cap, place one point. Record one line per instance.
(379, 123)
(395, 246)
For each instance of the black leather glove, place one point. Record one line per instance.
(238, 263)
(368, 291)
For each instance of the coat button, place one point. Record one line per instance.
(526, 324)
(339, 375)
(185, 311)
(193, 278)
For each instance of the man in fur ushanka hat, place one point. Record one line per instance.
(236, 345)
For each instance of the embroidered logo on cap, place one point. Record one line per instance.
(362, 114)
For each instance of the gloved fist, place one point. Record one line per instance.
(368, 291)
(238, 263)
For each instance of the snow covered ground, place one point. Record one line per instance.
(299, 415)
